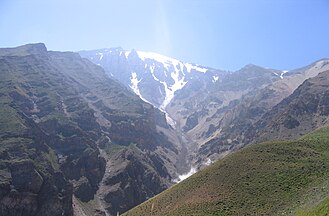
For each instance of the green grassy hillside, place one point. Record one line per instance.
(321, 209)
(272, 178)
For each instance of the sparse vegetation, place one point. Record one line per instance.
(322, 209)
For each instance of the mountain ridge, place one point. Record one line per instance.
(82, 124)
(209, 104)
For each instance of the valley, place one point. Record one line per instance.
(99, 132)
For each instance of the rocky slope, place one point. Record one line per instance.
(198, 107)
(303, 111)
(68, 134)
(239, 121)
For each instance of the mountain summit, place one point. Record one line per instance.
(154, 77)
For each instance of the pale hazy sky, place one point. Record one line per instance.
(225, 34)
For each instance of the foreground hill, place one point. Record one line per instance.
(272, 178)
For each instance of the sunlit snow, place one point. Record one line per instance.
(134, 85)
(127, 53)
(172, 67)
(177, 74)
(170, 121)
(283, 72)
(100, 55)
(215, 78)
(189, 68)
(208, 162)
(186, 175)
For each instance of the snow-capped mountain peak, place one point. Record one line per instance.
(155, 78)
(167, 61)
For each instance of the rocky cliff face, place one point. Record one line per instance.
(65, 125)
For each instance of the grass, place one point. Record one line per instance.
(272, 178)
(10, 121)
(322, 209)
(112, 149)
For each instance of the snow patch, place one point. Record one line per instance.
(172, 68)
(215, 78)
(208, 162)
(134, 86)
(170, 91)
(186, 175)
(170, 121)
(100, 55)
(134, 83)
(179, 83)
(152, 73)
(189, 68)
(276, 74)
(127, 53)
(283, 72)
(166, 61)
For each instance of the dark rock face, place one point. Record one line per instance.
(83, 189)
(290, 122)
(122, 193)
(25, 177)
(31, 191)
(191, 122)
(56, 109)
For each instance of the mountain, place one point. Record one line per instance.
(74, 141)
(154, 77)
(214, 112)
(272, 178)
(303, 111)
(239, 122)
(196, 108)
(190, 94)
